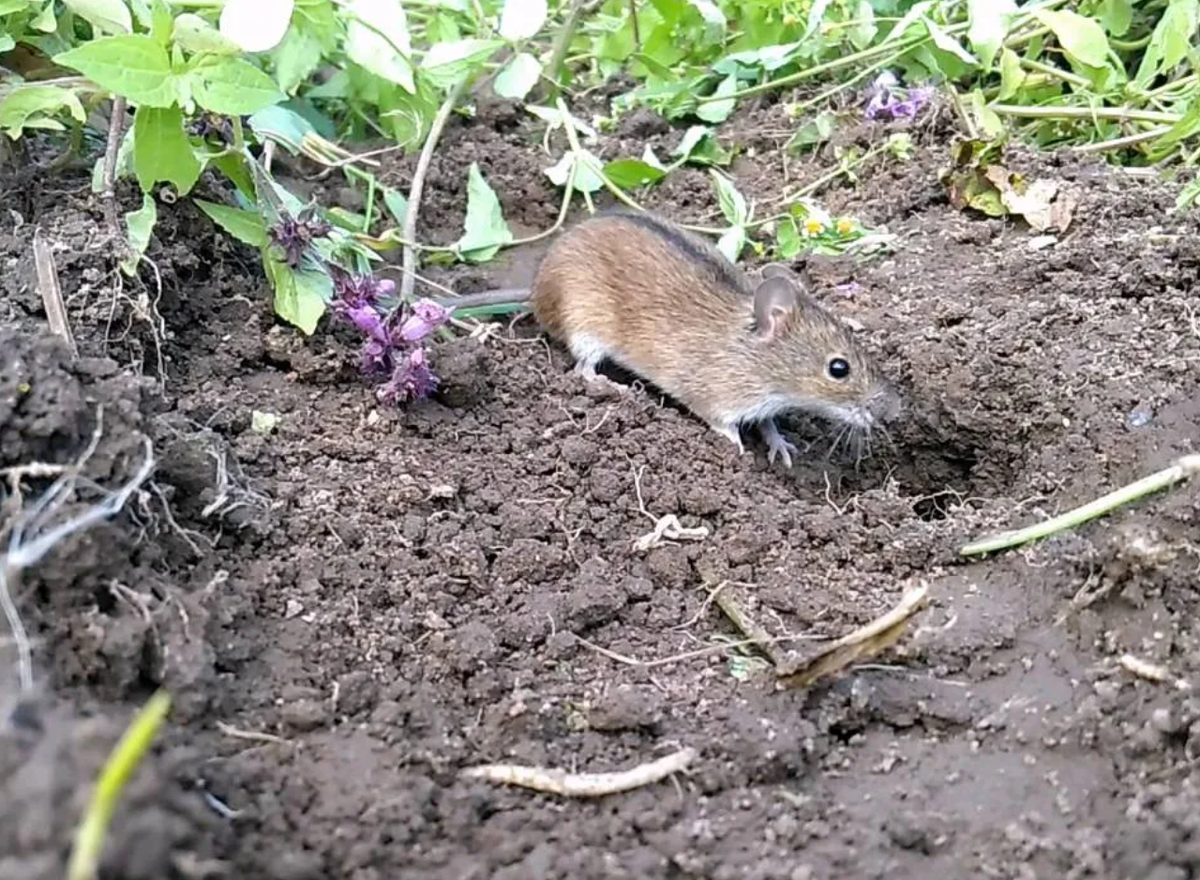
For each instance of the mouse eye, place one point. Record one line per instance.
(839, 368)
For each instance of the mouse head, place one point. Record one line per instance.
(812, 359)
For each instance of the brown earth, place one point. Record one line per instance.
(353, 609)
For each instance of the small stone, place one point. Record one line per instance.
(305, 715)
(626, 707)
(357, 692)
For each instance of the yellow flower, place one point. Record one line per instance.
(813, 226)
(845, 226)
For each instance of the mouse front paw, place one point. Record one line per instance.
(777, 446)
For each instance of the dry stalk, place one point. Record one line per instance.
(583, 785)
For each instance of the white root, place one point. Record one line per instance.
(31, 536)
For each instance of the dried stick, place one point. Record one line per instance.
(754, 633)
(51, 291)
(408, 263)
(866, 641)
(553, 781)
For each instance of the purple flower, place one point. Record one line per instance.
(411, 380)
(392, 353)
(295, 234)
(887, 101)
(426, 317)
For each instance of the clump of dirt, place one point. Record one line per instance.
(369, 601)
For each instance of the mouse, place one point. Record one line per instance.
(669, 307)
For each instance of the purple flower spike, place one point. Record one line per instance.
(426, 317)
(887, 101)
(412, 380)
(294, 234)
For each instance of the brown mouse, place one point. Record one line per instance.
(669, 307)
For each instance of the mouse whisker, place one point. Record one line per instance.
(842, 434)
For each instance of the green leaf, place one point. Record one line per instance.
(1080, 37)
(300, 294)
(484, 231)
(910, 18)
(718, 111)
(587, 176)
(396, 204)
(698, 145)
(6, 42)
(447, 63)
(244, 225)
(950, 44)
(769, 58)
(281, 125)
(256, 25)
(140, 224)
(7, 7)
(1012, 76)
(133, 65)
(160, 21)
(863, 33)
(46, 21)
(1116, 16)
(161, 150)
(196, 35)
(989, 24)
(522, 19)
(787, 237)
(816, 15)
(107, 16)
(714, 18)
(815, 131)
(518, 77)
(732, 242)
(233, 166)
(632, 173)
(233, 87)
(377, 39)
(31, 106)
(296, 57)
(732, 202)
(1169, 44)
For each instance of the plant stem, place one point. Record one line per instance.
(1115, 114)
(1066, 75)
(122, 761)
(116, 130)
(816, 70)
(408, 279)
(1127, 141)
(562, 42)
(1184, 467)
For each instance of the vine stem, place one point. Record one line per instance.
(408, 279)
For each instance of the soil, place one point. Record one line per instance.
(352, 609)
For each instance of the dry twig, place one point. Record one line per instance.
(51, 291)
(866, 641)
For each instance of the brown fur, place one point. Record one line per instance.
(669, 307)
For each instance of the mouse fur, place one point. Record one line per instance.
(668, 306)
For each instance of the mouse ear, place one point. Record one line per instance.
(777, 270)
(775, 300)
